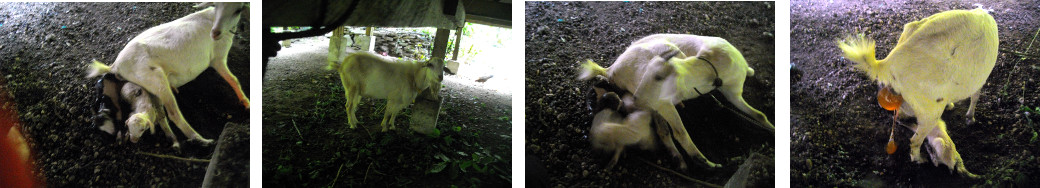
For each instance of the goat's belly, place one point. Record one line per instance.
(385, 87)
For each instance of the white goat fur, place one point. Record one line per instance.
(659, 84)
(396, 80)
(170, 55)
(938, 60)
(612, 133)
(147, 112)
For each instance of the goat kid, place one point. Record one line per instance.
(114, 96)
(170, 55)
(612, 130)
(938, 60)
(661, 82)
(396, 80)
(147, 112)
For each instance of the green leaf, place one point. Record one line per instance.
(442, 157)
(464, 165)
(448, 139)
(438, 167)
(1033, 140)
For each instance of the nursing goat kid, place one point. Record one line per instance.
(147, 112)
(938, 60)
(619, 123)
(398, 81)
(690, 66)
(170, 55)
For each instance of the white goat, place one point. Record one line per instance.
(396, 80)
(937, 60)
(170, 55)
(659, 83)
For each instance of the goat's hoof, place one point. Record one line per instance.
(712, 165)
(176, 146)
(916, 158)
(202, 141)
(245, 103)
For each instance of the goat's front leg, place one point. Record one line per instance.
(393, 107)
(157, 83)
(386, 116)
(667, 110)
(222, 69)
(613, 160)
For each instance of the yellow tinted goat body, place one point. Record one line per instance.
(938, 60)
(397, 81)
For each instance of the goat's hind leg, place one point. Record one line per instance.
(669, 113)
(165, 125)
(971, 107)
(664, 134)
(350, 106)
(733, 95)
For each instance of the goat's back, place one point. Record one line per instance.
(948, 55)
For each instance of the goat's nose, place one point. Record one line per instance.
(215, 34)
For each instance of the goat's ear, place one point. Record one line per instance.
(203, 5)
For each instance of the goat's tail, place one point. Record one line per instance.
(590, 70)
(860, 49)
(750, 72)
(97, 69)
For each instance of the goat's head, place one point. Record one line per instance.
(427, 75)
(658, 72)
(226, 17)
(137, 125)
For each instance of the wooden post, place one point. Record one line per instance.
(336, 45)
(458, 38)
(428, 104)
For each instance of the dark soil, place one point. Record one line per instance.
(560, 34)
(838, 131)
(308, 143)
(44, 52)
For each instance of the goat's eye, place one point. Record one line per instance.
(240, 10)
(658, 77)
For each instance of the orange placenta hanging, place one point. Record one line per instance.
(891, 102)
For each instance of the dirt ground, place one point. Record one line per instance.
(44, 52)
(560, 34)
(308, 143)
(838, 132)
